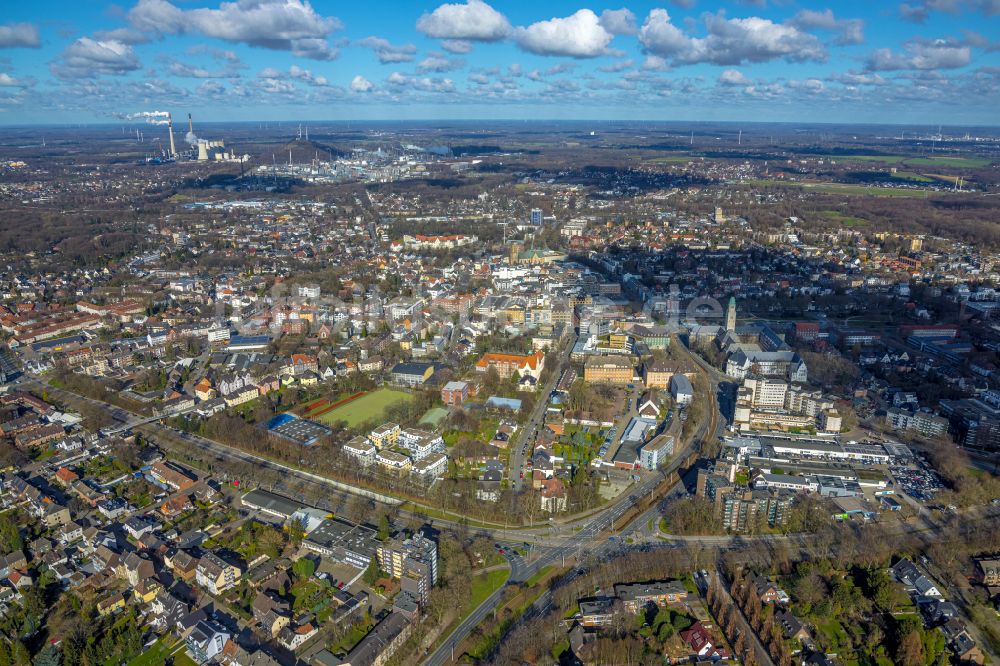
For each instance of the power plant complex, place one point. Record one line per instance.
(209, 150)
(201, 150)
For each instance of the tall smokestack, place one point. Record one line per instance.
(190, 125)
(170, 128)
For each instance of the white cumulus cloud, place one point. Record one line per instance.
(473, 20)
(729, 41)
(436, 62)
(397, 79)
(361, 84)
(619, 21)
(850, 31)
(387, 52)
(733, 77)
(457, 46)
(282, 25)
(87, 58)
(580, 35)
(921, 55)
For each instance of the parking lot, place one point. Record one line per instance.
(917, 480)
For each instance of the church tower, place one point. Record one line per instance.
(731, 314)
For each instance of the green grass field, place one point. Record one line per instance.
(956, 162)
(934, 160)
(672, 159)
(833, 632)
(843, 220)
(365, 408)
(484, 585)
(538, 576)
(887, 159)
(158, 652)
(912, 175)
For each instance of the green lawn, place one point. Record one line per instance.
(367, 407)
(351, 638)
(835, 635)
(487, 427)
(538, 576)
(158, 652)
(304, 594)
(485, 584)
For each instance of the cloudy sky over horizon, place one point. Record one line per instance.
(920, 61)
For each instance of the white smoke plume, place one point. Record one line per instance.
(151, 117)
(191, 138)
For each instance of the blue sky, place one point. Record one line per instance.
(921, 61)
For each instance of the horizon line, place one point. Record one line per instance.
(525, 121)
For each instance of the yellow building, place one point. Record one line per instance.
(146, 590)
(608, 370)
(513, 314)
(110, 604)
(657, 374)
(386, 434)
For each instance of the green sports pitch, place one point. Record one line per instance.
(367, 407)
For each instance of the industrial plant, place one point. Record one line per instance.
(200, 150)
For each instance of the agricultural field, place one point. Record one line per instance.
(672, 159)
(886, 159)
(955, 162)
(912, 175)
(360, 409)
(935, 160)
